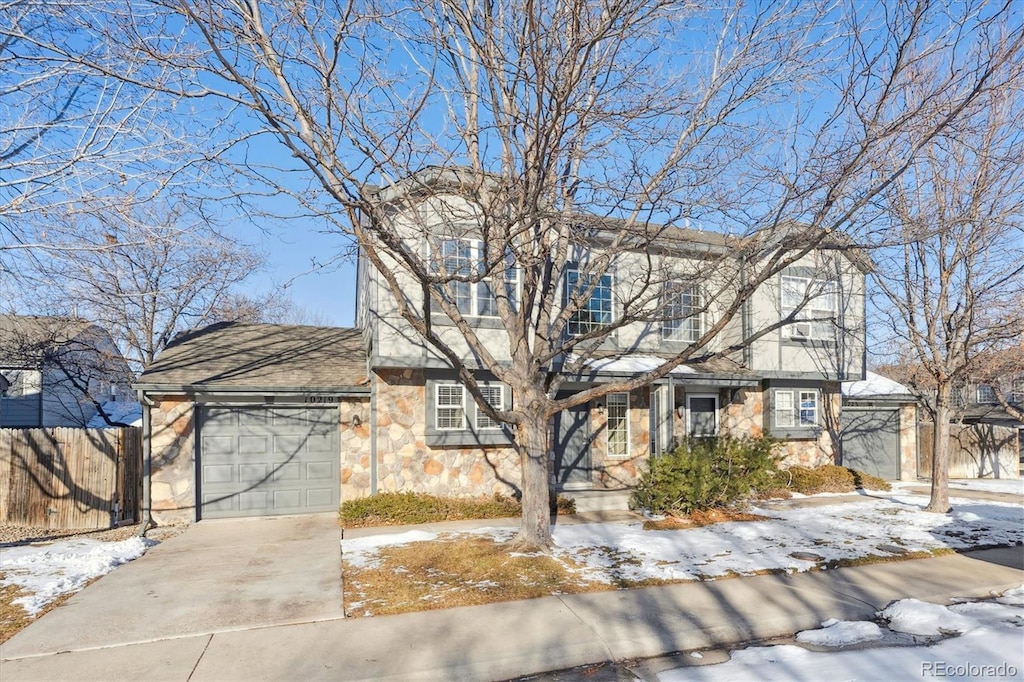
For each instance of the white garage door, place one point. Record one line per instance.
(266, 460)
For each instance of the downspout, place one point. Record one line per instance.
(373, 433)
(746, 322)
(145, 510)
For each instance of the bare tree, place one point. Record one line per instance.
(574, 136)
(950, 290)
(1003, 370)
(144, 276)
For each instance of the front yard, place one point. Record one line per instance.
(419, 570)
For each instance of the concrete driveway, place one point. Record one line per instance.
(218, 576)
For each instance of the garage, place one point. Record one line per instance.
(870, 438)
(267, 460)
(253, 420)
(878, 428)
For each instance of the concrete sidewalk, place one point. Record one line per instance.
(499, 641)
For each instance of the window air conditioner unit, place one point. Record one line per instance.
(801, 330)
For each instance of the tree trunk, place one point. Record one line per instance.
(532, 443)
(939, 501)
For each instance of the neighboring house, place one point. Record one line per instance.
(228, 407)
(56, 371)
(978, 405)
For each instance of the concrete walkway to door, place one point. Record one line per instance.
(218, 576)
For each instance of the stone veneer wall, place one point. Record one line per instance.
(745, 416)
(615, 472)
(406, 463)
(355, 448)
(172, 443)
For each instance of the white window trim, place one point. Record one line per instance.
(689, 410)
(476, 248)
(985, 394)
(674, 334)
(790, 413)
(499, 406)
(799, 408)
(608, 431)
(811, 329)
(437, 406)
(568, 295)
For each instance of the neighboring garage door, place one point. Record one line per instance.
(268, 460)
(871, 440)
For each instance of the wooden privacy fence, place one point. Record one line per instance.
(69, 477)
(975, 451)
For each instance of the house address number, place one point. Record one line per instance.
(320, 399)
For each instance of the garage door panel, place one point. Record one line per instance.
(253, 473)
(320, 444)
(267, 460)
(218, 473)
(291, 471)
(319, 471)
(219, 445)
(318, 497)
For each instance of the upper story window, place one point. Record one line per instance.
(796, 409)
(465, 258)
(684, 313)
(985, 393)
(818, 298)
(4, 386)
(596, 311)
(1017, 392)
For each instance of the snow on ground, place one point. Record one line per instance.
(840, 633)
(1014, 486)
(989, 648)
(50, 570)
(793, 539)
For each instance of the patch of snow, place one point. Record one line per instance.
(874, 385)
(634, 364)
(48, 571)
(1014, 486)
(1014, 597)
(990, 649)
(694, 654)
(837, 633)
(609, 552)
(123, 412)
(917, 617)
(361, 551)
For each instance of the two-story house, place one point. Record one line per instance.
(57, 371)
(270, 419)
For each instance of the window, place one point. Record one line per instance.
(702, 415)
(1017, 394)
(466, 258)
(796, 409)
(985, 394)
(596, 311)
(684, 313)
(784, 408)
(450, 407)
(618, 424)
(956, 396)
(495, 397)
(4, 386)
(818, 298)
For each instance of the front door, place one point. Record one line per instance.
(701, 415)
(572, 446)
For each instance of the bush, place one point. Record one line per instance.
(706, 473)
(393, 509)
(827, 479)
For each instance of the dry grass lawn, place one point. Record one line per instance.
(701, 518)
(13, 617)
(457, 572)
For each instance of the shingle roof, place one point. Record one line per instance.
(25, 338)
(235, 355)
